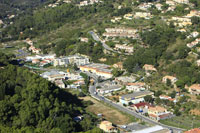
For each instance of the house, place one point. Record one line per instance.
(108, 87)
(170, 3)
(138, 86)
(125, 79)
(53, 75)
(134, 98)
(1, 22)
(158, 6)
(43, 63)
(106, 126)
(195, 130)
(34, 50)
(158, 113)
(128, 16)
(145, 6)
(165, 97)
(60, 83)
(182, 1)
(121, 32)
(83, 3)
(198, 62)
(101, 70)
(145, 15)
(116, 19)
(74, 76)
(73, 59)
(141, 107)
(79, 82)
(195, 89)
(118, 65)
(128, 49)
(171, 78)
(193, 13)
(153, 129)
(84, 39)
(148, 67)
(35, 61)
(193, 34)
(194, 43)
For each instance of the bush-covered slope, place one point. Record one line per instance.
(28, 102)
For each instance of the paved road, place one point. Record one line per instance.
(96, 38)
(92, 91)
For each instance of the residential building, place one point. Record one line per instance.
(106, 126)
(194, 43)
(145, 15)
(193, 13)
(148, 67)
(195, 130)
(128, 49)
(128, 16)
(198, 62)
(79, 82)
(120, 32)
(141, 107)
(35, 61)
(84, 39)
(170, 3)
(125, 79)
(158, 113)
(182, 1)
(118, 65)
(138, 86)
(116, 19)
(61, 61)
(145, 6)
(101, 70)
(158, 6)
(193, 34)
(171, 78)
(135, 97)
(195, 89)
(1, 22)
(83, 3)
(60, 83)
(153, 129)
(41, 57)
(53, 75)
(165, 97)
(108, 87)
(34, 50)
(72, 59)
(74, 76)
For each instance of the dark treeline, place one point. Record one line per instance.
(31, 103)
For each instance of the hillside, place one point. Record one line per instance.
(30, 103)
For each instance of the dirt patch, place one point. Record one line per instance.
(110, 114)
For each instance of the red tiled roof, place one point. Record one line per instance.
(140, 104)
(195, 130)
(164, 115)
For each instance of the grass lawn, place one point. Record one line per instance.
(186, 122)
(109, 113)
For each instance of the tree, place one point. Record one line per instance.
(168, 83)
(180, 83)
(173, 94)
(116, 72)
(148, 99)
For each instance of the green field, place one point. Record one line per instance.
(186, 122)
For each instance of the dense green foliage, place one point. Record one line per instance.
(158, 40)
(14, 6)
(31, 103)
